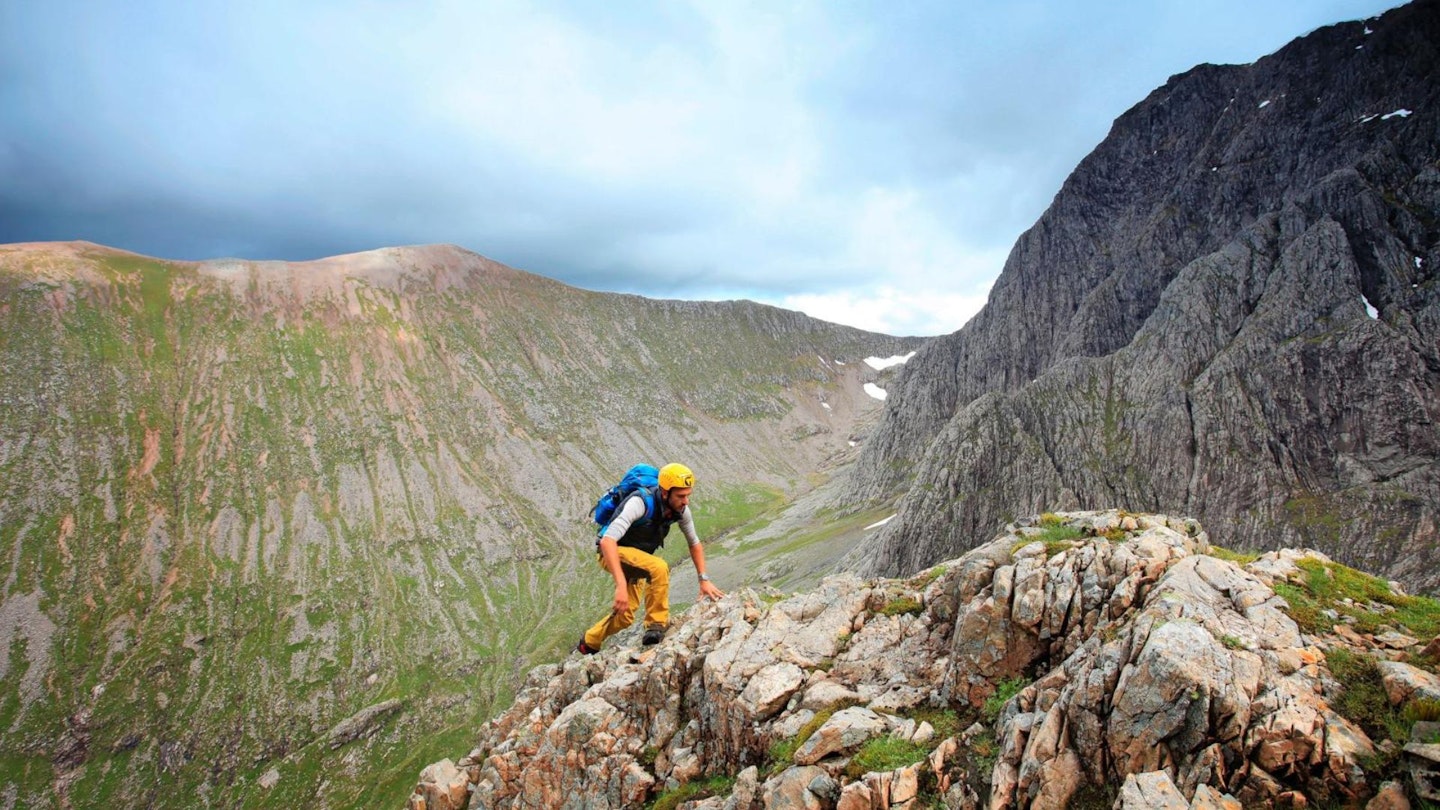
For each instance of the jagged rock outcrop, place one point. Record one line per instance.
(1127, 654)
(1231, 310)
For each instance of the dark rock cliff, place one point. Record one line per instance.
(1229, 310)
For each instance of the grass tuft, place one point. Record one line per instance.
(922, 580)
(1115, 534)
(881, 754)
(1421, 710)
(782, 752)
(901, 606)
(1004, 690)
(1055, 538)
(1331, 586)
(689, 791)
(1241, 558)
(945, 721)
(1303, 609)
(985, 749)
(1363, 700)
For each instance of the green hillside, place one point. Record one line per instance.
(241, 503)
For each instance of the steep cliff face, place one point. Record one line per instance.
(1068, 656)
(259, 519)
(1230, 310)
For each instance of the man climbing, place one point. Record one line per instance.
(627, 551)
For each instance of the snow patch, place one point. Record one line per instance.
(1401, 113)
(1367, 119)
(1370, 308)
(852, 442)
(1264, 104)
(879, 363)
(1418, 261)
(826, 406)
(1369, 30)
(875, 391)
(878, 524)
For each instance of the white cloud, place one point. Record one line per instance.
(890, 310)
(720, 108)
(846, 160)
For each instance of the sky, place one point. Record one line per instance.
(868, 163)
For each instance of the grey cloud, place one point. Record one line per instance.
(194, 141)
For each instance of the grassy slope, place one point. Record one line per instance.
(247, 520)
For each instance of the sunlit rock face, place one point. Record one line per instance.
(1071, 655)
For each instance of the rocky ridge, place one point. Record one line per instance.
(1075, 660)
(1231, 310)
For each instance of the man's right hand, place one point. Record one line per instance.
(622, 601)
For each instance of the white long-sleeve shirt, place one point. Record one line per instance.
(634, 509)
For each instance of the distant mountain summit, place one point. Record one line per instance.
(1230, 310)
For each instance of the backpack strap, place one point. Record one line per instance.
(652, 506)
(652, 501)
(650, 498)
(648, 532)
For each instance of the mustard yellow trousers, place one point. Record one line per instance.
(646, 577)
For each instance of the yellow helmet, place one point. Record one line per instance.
(676, 475)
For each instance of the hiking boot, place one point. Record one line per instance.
(653, 635)
(585, 649)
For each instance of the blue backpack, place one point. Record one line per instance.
(642, 478)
